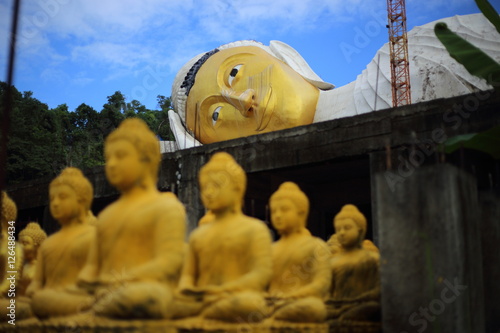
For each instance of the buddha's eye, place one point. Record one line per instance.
(215, 115)
(233, 74)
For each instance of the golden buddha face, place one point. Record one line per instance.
(243, 91)
(348, 232)
(285, 215)
(64, 203)
(217, 190)
(28, 247)
(124, 165)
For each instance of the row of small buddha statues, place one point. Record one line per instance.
(132, 261)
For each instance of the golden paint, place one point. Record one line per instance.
(243, 91)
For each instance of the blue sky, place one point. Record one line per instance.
(81, 51)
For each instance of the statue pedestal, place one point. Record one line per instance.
(81, 324)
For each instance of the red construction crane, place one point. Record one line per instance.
(398, 45)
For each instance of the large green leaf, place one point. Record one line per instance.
(475, 61)
(490, 13)
(487, 142)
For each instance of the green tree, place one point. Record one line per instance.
(163, 130)
(35, 146)
(85, 138)
(43, 141)
(112, 113)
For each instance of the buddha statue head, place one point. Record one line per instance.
(350, 227)
(245, 88)
(70, 196)
(9, 211)
(31, 237)
(132, 154)
(222, 183)
(289, 208)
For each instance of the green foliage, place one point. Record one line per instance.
(474, 60)
(479, 64)
(490, 13)
(43, 141)
(487, 142)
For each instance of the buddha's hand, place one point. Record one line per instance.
(214, 290)
(291, 296)
(370, 295)
(87, 286)
(215, 293)
(76, 290)
(192, 291)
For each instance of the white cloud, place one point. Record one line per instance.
(418, 6)
(51, 75)
(111, 54)
(126, 33)
(82, 79)
(116, 40)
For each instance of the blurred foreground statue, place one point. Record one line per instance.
(301, 263)
(355, 291)
(135, 261)
(229, 263)
(8, 245)
(12, 305)
(245, 87)
(63, 254)
(31, 237)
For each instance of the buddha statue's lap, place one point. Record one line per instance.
(136, 258)
(355, 292)
(228, 263)
(230, 283)
(133, 275)
(301, 271)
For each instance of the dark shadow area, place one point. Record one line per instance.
(329, 185)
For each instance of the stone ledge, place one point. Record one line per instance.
(86, 324)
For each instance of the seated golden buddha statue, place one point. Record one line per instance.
(31, 237)
(355, 291)
(229, 263)
(12, 304)
(301, 263)
(63, 254)
(8, 246)
(136, 258)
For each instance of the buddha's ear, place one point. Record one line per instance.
(183, 138)
(292, 58)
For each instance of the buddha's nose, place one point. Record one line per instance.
(243, 101)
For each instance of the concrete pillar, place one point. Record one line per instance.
(490, 238)
(429, 238)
